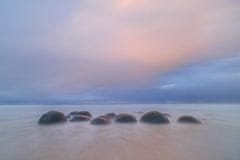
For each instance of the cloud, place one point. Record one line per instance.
(72, 48)
(215, 81)
(168, 86)
(133, 40)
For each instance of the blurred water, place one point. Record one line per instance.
(21, 138)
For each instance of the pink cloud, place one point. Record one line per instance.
(128, 40)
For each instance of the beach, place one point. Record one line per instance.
(217, 138)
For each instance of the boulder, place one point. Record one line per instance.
(52, 117)
(188, 119)
(112, 115)
(167, 114)
(125, 118)
(154, 117)
(101, 120)
(79, 118)
(77, 113)
(106, 117)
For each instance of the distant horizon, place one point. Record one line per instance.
(118, 103)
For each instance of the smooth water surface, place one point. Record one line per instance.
(218, 138)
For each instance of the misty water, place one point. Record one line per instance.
(21, 138)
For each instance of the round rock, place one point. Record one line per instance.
(106, 117)
(189, 119)
(154, 117)
(167, 114)
(78, 113)
(112, 115)
(125, 118)
(80, 118)
(52, 117)
(101, 120)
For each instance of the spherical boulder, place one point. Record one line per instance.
(52, 117)
(154, 117)
(77, 113)
(125, 118)
(111, 115)
(189, 119)
(79, 118)
(101, 120)
(106, 117)
(167, 114)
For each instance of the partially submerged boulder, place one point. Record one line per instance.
(125, 118)
(106, 117)
(78, 113)
(167, 114)
(80, 118)
(154, 117)
(101, 120)
(189, 119)
(52, 117)
(111, 115)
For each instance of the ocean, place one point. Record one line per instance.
(217, 138)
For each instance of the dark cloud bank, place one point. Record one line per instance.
(216, 81)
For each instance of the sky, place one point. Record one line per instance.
(112, 51)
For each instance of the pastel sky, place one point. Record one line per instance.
(119, 51)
